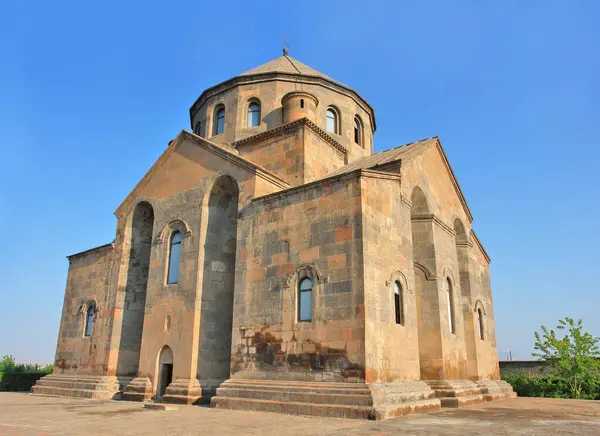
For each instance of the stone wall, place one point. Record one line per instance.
(87, 282)
(392, 349)
(313, 231)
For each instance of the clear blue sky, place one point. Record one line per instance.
(91, 93)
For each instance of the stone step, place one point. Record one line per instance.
(70, 384)
(286, 384)
(462, 401)
(295, 395)
(298, 388)
(294, 408)
(442, 393)
(403, 409)
(74, 393)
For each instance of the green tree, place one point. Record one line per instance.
(574, 356)
(7, 363)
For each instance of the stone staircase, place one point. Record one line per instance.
(460, 393)
(496, 389)
(338, 400)
(77, 386)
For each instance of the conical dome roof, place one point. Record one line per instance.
(288, 65)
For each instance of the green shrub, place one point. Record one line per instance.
(551, 386)
(19, 381)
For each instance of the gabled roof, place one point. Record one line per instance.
(224, 151)
(405, 153)
(384, 157)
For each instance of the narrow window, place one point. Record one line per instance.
(398, 303)
(89, 319)
(174, 254)
(450, 306)
(253, 114)
(305, 300)
(198, 128)
(219, 121)
(358, 133)
(480, 324)
(332, 121)
(302, 103)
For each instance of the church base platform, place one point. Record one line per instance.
(334, 400)
(95, 387)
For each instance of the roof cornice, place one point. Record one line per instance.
(480, 245)
(288, 77)
(110, 245)
(285, 127)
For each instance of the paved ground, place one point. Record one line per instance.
(26, 415)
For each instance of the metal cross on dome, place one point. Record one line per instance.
(286, 45)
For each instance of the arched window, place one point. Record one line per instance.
(89, 319)
(198, 128)
(332, 121)
(398, 303)
(219, 121)
(358, 131)
(305, 300)
(174, 255)
(449, 294)
(254, 114)
(480, 324)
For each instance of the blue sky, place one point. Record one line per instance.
(91, 93)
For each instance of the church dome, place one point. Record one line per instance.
(223, 111)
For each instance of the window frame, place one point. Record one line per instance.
(359, 137)
(250, 111)
(450, 298)
(299, 297)
(218, 110)
(179, 243)
(336, 120)
(88, 328)
(480, 324)
(198, 128)
(398, 302)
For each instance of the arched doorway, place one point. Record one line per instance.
(165, 370)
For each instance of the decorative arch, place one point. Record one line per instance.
(448, 274)
(209, 184)
(305, 271)
(176, 225)
(428, 274)
(479, 305)
(133, 206)
(399, 276)
(420, 205)
(461, 234)
(165, 355)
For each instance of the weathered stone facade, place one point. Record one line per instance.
(399, 307)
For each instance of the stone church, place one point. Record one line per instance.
(270, 261)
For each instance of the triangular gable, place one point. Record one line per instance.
(437, 143)
(208, 146)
